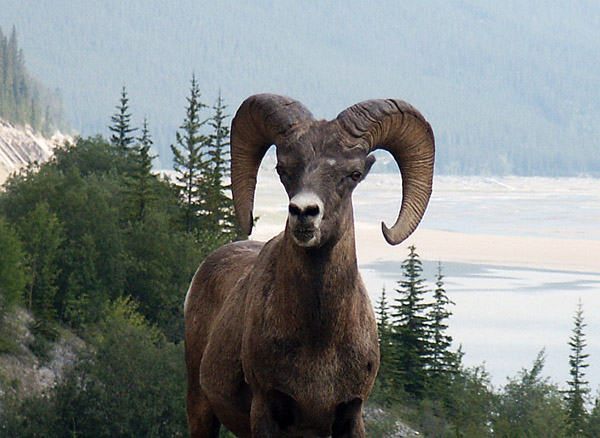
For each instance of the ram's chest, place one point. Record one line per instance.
(302, 369)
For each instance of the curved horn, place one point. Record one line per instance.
(261, 120)
(400, 129)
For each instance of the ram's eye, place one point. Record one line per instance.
(356, 175)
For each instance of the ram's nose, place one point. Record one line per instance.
(306, 208)
(305, 213)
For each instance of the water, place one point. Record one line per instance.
(516, 206)
(503, 317)
(504, 314)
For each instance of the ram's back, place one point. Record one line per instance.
(212, 286)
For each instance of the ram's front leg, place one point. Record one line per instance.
(348, 421)
(272, 414)
(354, 430)
(262, 423)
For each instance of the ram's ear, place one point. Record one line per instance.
(370, 160)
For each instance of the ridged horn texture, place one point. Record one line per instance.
(261, 121)
(400, 129)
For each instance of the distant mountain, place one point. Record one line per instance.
(23, 99)
(509, 87)
(21, 146)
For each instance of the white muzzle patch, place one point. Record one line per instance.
(304, 218)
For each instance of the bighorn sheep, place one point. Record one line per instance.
(281, 339)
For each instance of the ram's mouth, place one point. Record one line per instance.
(305, 236)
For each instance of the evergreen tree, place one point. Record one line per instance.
(13, 276)
(411, 331)
(139, 181)
(121, 127)
(593, 424)
(470, 403)
(220, 214)
(578, 389)
(21, 96)
(188, 159)
(42, 234)
(387, 362)
(530, 406)
(440, 357)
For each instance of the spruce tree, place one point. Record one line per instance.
(440, 359)
(410, 327)
(188, 160)
(220, 215)
(593, 423)
(139, 181)
(387, 362)
(13, 275)
(121, 128)
(578, 386)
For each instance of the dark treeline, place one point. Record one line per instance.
(424, 382)
(24, 100)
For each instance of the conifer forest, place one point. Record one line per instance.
(97, 250)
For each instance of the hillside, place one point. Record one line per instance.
(509, 88)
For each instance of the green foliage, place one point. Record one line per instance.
(158, 267)
(13, 274)
(188, 161)
(129, 383)
(578, 386)
(121, 127)
(440, 359)
(530, 406)
(44, 334)
(411, 327)
(42, 234)
(219, 218)
(140, 182)
(80, 199)
(592, 429)
(469, 406)
(201, 164)
(23, 100)
(385, 386)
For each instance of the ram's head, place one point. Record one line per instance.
(321, 162)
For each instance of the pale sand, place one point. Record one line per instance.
(434, 245)
(578, 255)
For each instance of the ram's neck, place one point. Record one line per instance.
(316, 286)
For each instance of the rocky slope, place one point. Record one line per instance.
(21, 146)
(22, 373)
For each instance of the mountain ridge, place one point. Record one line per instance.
(510, 88)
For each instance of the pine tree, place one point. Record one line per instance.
(121, 126)
(188, 159)
(593, 424)
(387, 362)
(139, 181)
(13, 275)
(220, 214)
(578, 389)
(410, 327)
(440, 357)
